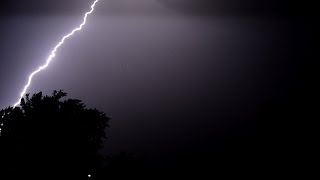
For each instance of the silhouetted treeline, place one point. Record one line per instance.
(50, 138)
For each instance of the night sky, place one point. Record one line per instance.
(178, 78)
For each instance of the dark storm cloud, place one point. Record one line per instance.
(62, 7)
(34, 7)
(191, 7)
(233, 7)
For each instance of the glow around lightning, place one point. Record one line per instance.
(53, 53)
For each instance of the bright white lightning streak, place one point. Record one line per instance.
(53, 53)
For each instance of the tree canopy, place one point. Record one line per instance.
(51, 136)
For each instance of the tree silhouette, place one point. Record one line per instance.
(50, 137)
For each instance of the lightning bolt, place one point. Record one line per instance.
(53, 53)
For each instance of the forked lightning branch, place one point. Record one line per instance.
(53, 53)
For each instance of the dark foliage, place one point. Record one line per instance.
(50, 138)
